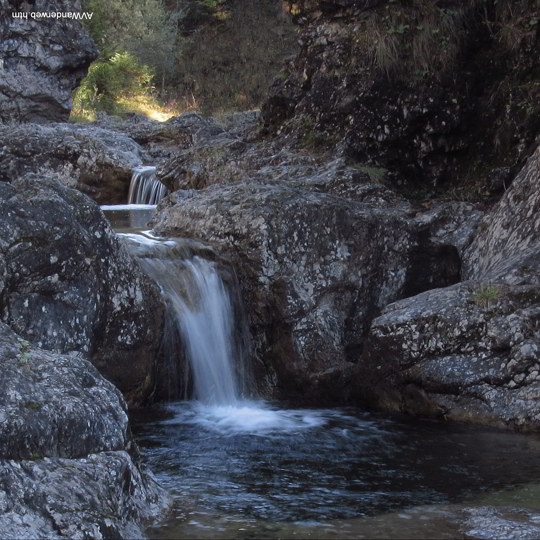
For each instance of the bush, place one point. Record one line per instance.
(109, 81)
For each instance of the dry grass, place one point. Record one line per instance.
(415, 39)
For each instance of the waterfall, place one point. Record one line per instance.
(201, 310)
(145, 188)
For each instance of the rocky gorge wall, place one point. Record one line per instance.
(353, 294)
(72, 301)
(437, 94)
(471, 351)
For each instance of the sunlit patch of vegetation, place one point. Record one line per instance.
(118, 86)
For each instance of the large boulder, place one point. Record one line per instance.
(317, 257)
(67, 284)
(43, 58)
(472, 351)
(68, 465)
(97, 161)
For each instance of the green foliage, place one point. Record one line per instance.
(485, 295)
(24, 350)
(208, 55)
(111, 80)
(145, 29)
(376, 174)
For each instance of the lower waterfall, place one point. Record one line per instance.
(203, 324)
(202, 312)
(145, 188)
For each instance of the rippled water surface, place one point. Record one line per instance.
(253, 470)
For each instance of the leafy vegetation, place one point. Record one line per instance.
(110, 81)
(209, 55)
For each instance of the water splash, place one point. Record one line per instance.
(145, 188)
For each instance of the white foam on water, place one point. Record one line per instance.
(130, 207)
(247, 417)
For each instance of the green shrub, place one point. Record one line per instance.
(109, 81)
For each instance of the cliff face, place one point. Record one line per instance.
(42, 59)
(432, 92)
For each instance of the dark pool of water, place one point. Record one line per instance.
(254, 463)
(129, 217)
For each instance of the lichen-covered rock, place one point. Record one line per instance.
(68, 466)
(98, 162)
(315, 268)
(67, 284)
(100, 496)
(472, 351)
(42, 59)
(467, 352)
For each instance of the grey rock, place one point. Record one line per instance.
(511, 232)
(41, 60)
(55, 405)
(99, 496)
(67, 284)
(97, 161)
(504, 522)
(471, 351)
(314, 267)
(68, 465)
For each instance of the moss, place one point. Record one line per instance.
(32, 405)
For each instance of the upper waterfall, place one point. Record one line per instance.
(145, 188)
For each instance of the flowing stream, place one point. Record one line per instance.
(240, 467)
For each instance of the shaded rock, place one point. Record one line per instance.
(430, 91)
(96, 161)
(511, 233)
(310, 286)
(42, 60)
(55, 405)
(68, 285)
(68, 466)
(472, 351)
(457, 354)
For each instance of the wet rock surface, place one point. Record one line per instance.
(68, 285)
(68, 465)
(472, 351)
(42, 60)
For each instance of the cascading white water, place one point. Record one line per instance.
(202, 310)
(145, 188)
(203, 313)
